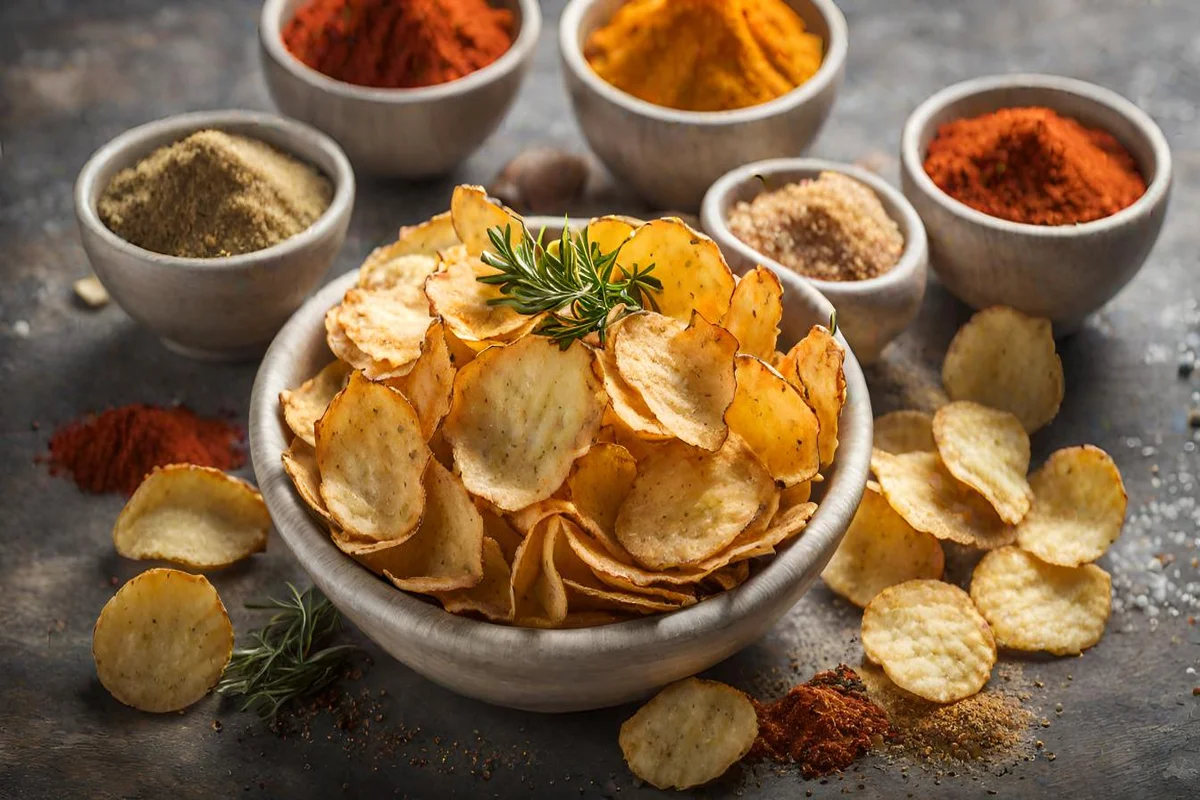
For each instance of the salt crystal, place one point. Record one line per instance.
(21, 328)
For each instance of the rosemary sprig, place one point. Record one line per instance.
(575, 286)
(288, 657)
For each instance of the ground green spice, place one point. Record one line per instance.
(212, 195)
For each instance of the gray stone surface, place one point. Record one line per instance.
(74, 74)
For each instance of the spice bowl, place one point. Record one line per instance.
(1062, 272)
(671, 157)
(870, 312)
(215, 308)
(399, 133)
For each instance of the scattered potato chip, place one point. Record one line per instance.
(428, 384)
(458, 297)
(91, 292)
(491, 598)
(473, 214)
(625, 402)
(814, 366)
(689, 734)
(609, 232)
(304, 405)
(693, 272)
(687, 504)
(1004, 359)
(903, 432)
(932, 500)
(987, 450)
(773, 418)
(754, 313)
(600, 481)
(880, 550)
(685, 374)
(162, 641)
(1078, 507)
(411, 258)
(371, 455)
(1032, 605)
(929, 639)
(300, 463)
(520, 416)
(387, 326)
(198, 517)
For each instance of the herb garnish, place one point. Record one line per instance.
(287, 658)
(576, 286)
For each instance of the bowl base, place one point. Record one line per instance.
(224, 354)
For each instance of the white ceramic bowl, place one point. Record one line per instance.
(215, 308)
(1063, 272)
(403, 133)
(543, 670)
(871, 312)
(671, 157)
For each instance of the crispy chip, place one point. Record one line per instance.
(411, 258)
(728, 578)
(1078, 507)
(688, 504)
(814, 366)
(1004, 359)
(588, 596)
(387, 326)
(620, 568)
(162, 641)
(903, 432)
(609, 232)
(625, 402)
(929, 639)
(340, 344)
(987, 450)
(693, 272)
(520, 416)
(1032, 605)
(428, 384)
(880, 550)
(527, 583)
(750, 544)
(795, 495)
(371, 455)
(754, 313)
(491, 598)
(685, 374)
(197, 517)
(689, 734)
(599, 482)
(932, 500)
(458, 297)
(773, 418)
(473, 214)
(304, 405)
(300, 463)
(495, 526)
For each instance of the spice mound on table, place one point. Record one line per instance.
(705, 55)
(213, 195)
(1033, 166)
(398, 44)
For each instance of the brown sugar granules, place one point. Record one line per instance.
(831, 229)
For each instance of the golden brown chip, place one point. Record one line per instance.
(473, 214)
(428, 384)
(693, 272)
(620, 566)
(527, 583)
(987, 450)
(903, 432)
(795, 495)
(773, 418)
(305, 404)
(495, 526)
(754, 313)
(609, 232)
(386, 325)
(300, 463)
(593, 596)
(599, 482)
(411, 258)
(814, 366)
(750, 544)
(729, 577)
(625, 402)
(458, 297)
(491, 598)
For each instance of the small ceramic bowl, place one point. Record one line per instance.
(401, 133)
(1063, 272)
(870, 312)
(550, 670)
(215, 308)
(671, 157)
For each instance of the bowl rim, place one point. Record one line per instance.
(303, 140)
(346, 583)
(919, 122)
(827, 74)
(270, 29)
(912, 258)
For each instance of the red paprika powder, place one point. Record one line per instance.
(1033, 166)
(112, 451)
(398, 44)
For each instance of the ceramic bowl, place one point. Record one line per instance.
(215, 308)
(543, 670)
(870, 312)
(402, 133)
(671, 157)
(1063, 272)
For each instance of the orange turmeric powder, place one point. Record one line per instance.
(704, 55)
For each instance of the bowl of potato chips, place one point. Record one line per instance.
(557, 469)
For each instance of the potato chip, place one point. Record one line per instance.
(162, 641)
(428, 384)
(620, 568)
(685, 374)
(903, 432)
(457, 296)
(687, 504)
(304, 405)
(880, 550)
(520, 416)
(496, 527)
(1078, 507)
(491, 598)
(461, 353)
(987, 450)
(754, 313)
(371, 455)
(929, 639)
(599, 482)
(300, 463)
(693, 272)
(1004, 359)
(773, 418)
(795, 495)
(589, 596)
(783, 526)
(198, 517)
(388, 326)
(729, 577)
(814, 366)
(609, 232)
(932, 500)
(625, 402)
(527, 583)
(341, 346)
(1032, 605)
(411, 258)
(689, 734)
(473, 214)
